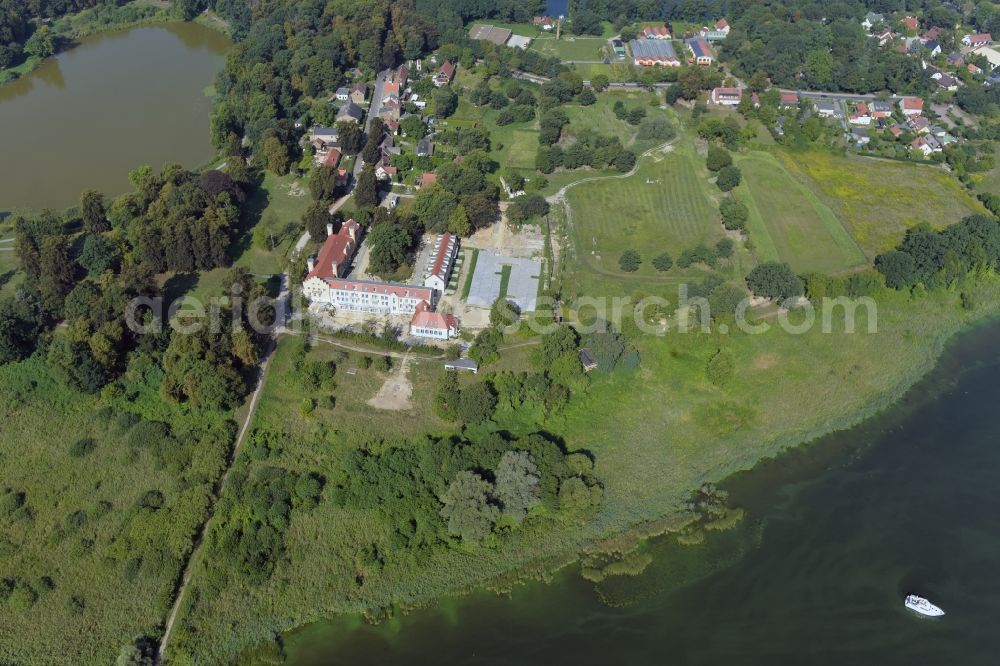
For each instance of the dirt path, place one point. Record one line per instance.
(560, 196)
(397, 390)
(219, 489)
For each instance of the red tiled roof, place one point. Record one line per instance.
(789, 97)
(381, 288)
(337, 248)
(442, 255)
(424, 318)
(428, 178)
(913, 104)
(656, 30)
(448, 69)
(911, 22)
(733, 92)
(721, 24)
(332, 158)
(391, 89)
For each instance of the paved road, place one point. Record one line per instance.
(820, 94)
(373, 108)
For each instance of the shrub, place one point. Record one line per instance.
(718, 158)
(729, 177)
(630, 261)
(663, 262)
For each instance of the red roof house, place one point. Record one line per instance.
(335, 255)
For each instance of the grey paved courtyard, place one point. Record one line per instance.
(522, 288)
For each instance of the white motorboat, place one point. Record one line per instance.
(922, 606)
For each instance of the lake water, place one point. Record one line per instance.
(837, 534)
(88, 116)
(556, 7)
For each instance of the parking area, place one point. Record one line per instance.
(493, 270)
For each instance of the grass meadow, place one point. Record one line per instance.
(788, 221)
(666, 206)
(878, 200)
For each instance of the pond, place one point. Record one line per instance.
(116, 101)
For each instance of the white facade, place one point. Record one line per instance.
(364, 296)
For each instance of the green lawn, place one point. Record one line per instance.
(664, 207)
(467, 287)
(788, 221)
(278, 205)
(878, 200)
(571, 48)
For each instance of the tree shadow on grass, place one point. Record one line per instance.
(253, 211)
(178, 285)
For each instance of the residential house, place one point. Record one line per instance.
(441, 262)
(722, 26)
(879, 110)
(828, 109)
(897, 130)
(911, 106)
(332, 158)
(401, 76)
(726, 96)
(911, 23)
(933, 46)
(489, 33)
(391, 126)
(334, 256)
(871, 20)
(350, 113)
(700, 50)
(343, 178)
(587, 360)
(918, 125)
(859, 135)
(860, 115)
(385, 171)
(390, 89)
(946, 81)
(926, 145)
(978, 39)
(932, 35)
(955, 59)
(343, 94)
(788, 99)
(445, 74)
(323, 137)
(885, 36)
(543, 22)
(974, 69)
(755, 100)
(426, 179)
(391, 109)
(425, 148)
(436, 325)
(655, 32)
(359, 92)
(654, 52)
